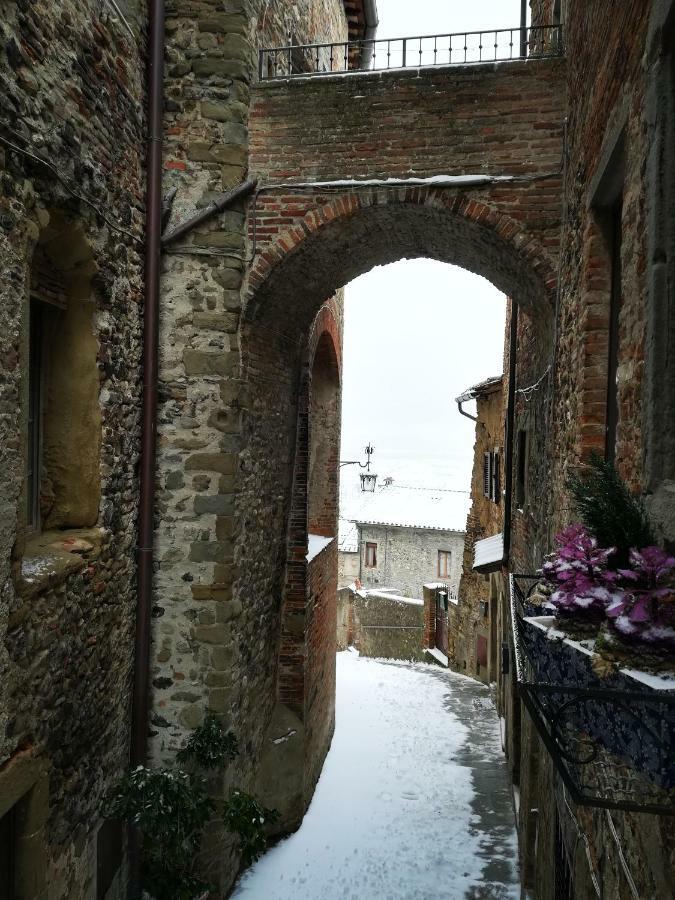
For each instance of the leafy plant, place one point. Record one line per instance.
(645, 608)
(579, 575)
(246, 817)
(170, 808)
(609, 511)
(209, 745)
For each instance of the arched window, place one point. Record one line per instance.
(324, 440)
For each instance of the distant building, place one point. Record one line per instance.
(474, 638)
(407, 536)
(348, 553)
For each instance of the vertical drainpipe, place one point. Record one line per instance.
(523, 27)
(141, 703)
(508, 438)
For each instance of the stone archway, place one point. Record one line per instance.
(286, 299)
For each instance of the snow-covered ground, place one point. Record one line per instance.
(413, 802)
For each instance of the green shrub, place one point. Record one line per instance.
(613, 516)
(170, 809)
(246, 817)
(209, 746)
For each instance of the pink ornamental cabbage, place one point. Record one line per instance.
(578, 572)
(645, 608)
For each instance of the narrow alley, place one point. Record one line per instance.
(413, 802)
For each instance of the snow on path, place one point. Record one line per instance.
(413, 802)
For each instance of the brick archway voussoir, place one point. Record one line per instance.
(509, 231)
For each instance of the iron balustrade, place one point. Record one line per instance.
(460, 48)
(610, 736)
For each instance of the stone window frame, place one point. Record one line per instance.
(446, 557)
(660, 301)
(24, 791)
(606, 208)
(370, 555)
(45, 554)
(522, 462)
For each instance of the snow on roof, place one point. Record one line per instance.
(348, 537)
(488, 553)
(483, 387)
(415, 507)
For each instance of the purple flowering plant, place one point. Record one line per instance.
(638, 602)
(645, 607)
(578, 572)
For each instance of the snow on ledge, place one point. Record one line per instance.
(438, 655)
(659, 682)
(438, 180)
(315, 544)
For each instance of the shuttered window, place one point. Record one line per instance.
(491, 480)
(495, 481)
(444, 558)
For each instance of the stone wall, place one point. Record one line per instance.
(71, 192)
(348, 568)
(381, 625)
(407, 558)
(220, 579)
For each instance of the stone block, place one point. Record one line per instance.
(214, 504)
(205, 362)
(225, 463)
(209, 551)
(217, 321)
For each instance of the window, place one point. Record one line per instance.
(607, 193)
(371, 555)
(491, 479)
(7, 855)
(33, 455)
(614, 316)
(521, 470)
(62, 412)
(444, 558)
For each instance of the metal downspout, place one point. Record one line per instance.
(467, 415)
(141, 702)
(523, 28)
(508, 438)
(372, 21)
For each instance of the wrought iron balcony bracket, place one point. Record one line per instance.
(612, 739)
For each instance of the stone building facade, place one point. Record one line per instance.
(474, 636)
(72, 145)
(404, 558)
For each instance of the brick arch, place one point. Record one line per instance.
(333, 240)
(326, 326)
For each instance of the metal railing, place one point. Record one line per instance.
(609, 736)
(458, 49)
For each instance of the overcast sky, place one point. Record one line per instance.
(419, 332)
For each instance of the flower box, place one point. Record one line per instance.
(628, 712)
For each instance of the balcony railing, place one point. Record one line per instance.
(458, 49)
(610, 736)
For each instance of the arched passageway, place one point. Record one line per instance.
(289, 326)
